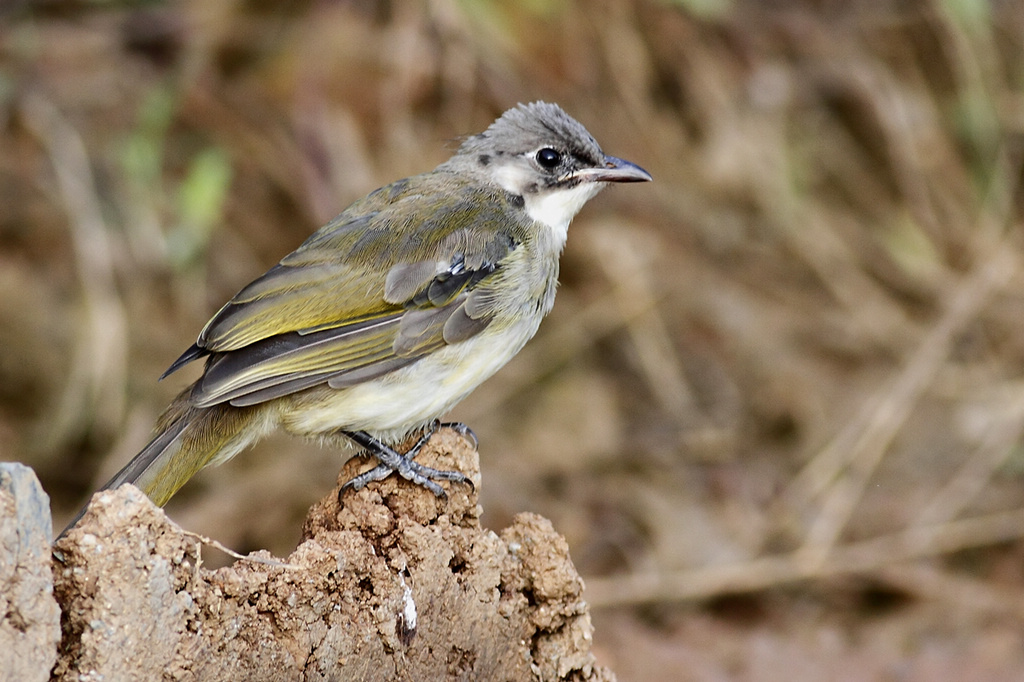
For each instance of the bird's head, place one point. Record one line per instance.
(539, 152)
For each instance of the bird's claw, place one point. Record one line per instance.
(392, 461)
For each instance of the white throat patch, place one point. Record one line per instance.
(554, 208)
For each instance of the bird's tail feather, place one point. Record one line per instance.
(188, 439)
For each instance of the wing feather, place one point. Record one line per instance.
(350, 304)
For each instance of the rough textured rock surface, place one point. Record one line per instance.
(389, 583)
(29, 616)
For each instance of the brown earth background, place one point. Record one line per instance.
(777, 410)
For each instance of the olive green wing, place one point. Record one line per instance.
(360, 298)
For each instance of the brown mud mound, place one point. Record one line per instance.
(389, 583)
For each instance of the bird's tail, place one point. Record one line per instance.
(188, 438)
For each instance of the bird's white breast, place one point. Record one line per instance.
(391, 406)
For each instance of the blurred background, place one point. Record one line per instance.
(777, 410)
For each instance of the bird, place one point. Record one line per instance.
(392, 312)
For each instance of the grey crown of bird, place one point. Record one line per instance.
(394, 311)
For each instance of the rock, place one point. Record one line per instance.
(30, 624)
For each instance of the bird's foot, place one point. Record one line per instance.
(391, 461)
(457, 427)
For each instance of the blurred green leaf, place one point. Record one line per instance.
(143, 151)
(7, 90)
(707, 9)
(977, 124)
(497, 12)
(200, 206)
(910, 247)
(970, 14)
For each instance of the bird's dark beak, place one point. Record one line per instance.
(614, 170)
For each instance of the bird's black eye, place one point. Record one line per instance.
(548, 158)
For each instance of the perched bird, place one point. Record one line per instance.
(391, 313)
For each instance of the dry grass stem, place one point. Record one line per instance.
(867, 557)
(927, 582)
(95, 387)
(970, 480)
(629, 263)
(895, 403)
(254, 558)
